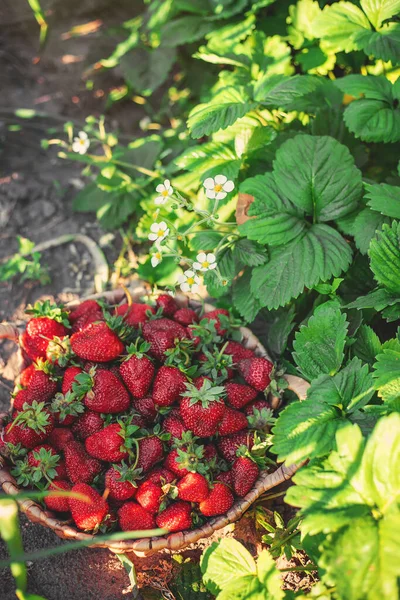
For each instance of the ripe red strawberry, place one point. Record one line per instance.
(168, 304)
(225, 477)
(80, 466)
(174, 426)
(238, 394)
(60, 437)
(151, 451)
(26, 375)
(161, 335)
(149, 496)
(120, 480)
(106, 393)
(232, 422)
(176, 517)
(87, 424)
(244, 474)
(69, 377)
(237, 351)
(210, 452)
(87, 312)
(137, 370)
(218, 502)
(108, 444)
(133, 517)
(58, 503)
(135, 314)
(168, 385)
(172, 464)
(186, 316)
(198, 381)
(160, 476)
(20, 398)
(33, 457)
(97, 342)
(256, 372)
(87, 514)
(31, 426)
(43, 383)
(45, 460)
(146, 407)
(202, 410)
(48, 321)
(228, 446)
(214, 315)
(193, 488)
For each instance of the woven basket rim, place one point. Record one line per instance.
(173, 541)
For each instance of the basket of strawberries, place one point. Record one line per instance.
(156, 414)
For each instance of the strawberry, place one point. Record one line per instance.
(60, 437)
(256, 372)
(58, 503)
(97, 342)
(120, 480)
(198, 381)
(174, 426)
(167, 304)
(237, 351)
(260, 415)
(244, 474)
(161, 476)
(105, 392)
(161, 335)
(146, 407)
(46, 462)
(133, 517)
(31, 426)
(86, 313)
(188, 458)
(149, 496)
(49, 321)
(88, 514)
(232, 422)
(108, 443)
(151, 451)
(87, 424)
(225, 477)
(69, 378)
(66, 408)
(43, 383)
(210, 452)
(214, 315)
(202, 410)
(26, 375)
(137, 370)
(218, 502)
(80, 466)
(59, 351)
(173, 464)
(193, 487)
(217, 366)
(168, 385)
(186, 316)
(176, 517)
(228, 446)
(135, 314)
(238, 394)
(20, 398)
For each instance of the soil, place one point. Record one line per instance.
(36, 191)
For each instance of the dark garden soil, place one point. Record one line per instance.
(36, 190)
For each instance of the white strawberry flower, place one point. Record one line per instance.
(217, 187)
(156, 258)
(159, 232)
(189, 281)
(205, 262)
(165, 190)
(81, 143)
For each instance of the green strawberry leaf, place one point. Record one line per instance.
(384, 198)
(384, 253)
(367, 344)
(282, 91)
(225, 562)
(387, 373)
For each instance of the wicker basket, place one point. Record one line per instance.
(174, 541)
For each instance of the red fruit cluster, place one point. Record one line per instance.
(147, 413)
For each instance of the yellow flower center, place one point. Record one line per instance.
(160, 233)
(218, 188)
(82, 142)
(190, 280)
(205, 264)
(164, 193)
(158, 255)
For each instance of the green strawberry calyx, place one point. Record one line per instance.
(67, 404)
(207, 394)
(47, 309)
(138, 349)
(128, 474)
(59, 350)
(33, 417)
